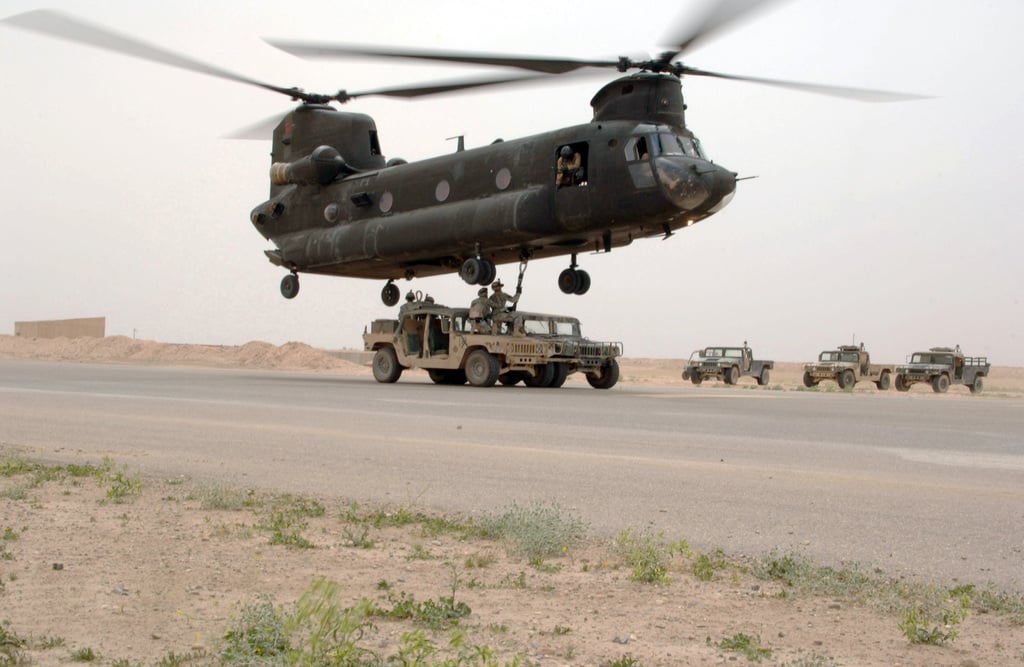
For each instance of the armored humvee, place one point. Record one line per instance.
(847, 365)
(509, 347)
(726, 363)
(943, 366)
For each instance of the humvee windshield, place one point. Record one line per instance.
(731, 352)
(829, 355)
(931, 358)
(549, 326)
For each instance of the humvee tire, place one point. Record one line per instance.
(809, 381)
(900, 384)
(846, 379)
(482, 368)
(883, 381)
(543, 378)
(940, 384)
(559, 376)
(609, 376)
(763, 378)
(385, 365)
(511, 378)
(454, 376)
(978, 385)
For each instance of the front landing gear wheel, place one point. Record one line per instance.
(290, 286)
(476, 271)
(390, 294)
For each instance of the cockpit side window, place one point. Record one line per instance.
(637, 149)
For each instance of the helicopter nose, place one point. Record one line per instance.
(694, 185)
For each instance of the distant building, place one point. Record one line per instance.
(94, 327)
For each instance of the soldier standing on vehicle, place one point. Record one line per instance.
(500, 300)
(410, 302)
(480, 310)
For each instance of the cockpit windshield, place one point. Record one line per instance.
(668, 143)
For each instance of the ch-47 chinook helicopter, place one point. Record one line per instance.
(338, 207)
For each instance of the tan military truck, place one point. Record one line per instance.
(846, 366)
(728, 364)
(941, 367)
(537, 349)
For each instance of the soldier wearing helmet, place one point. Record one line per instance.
(500, 300)
(410, 303)
(480, 311)
(569, 167)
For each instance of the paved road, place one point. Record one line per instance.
(915, 484)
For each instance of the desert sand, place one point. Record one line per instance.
(161, 573)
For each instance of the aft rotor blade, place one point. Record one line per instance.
(65, 26)
(542, 64)
(859, 94)
(688, 32)
(440, 87)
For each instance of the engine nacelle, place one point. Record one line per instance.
(320, 167)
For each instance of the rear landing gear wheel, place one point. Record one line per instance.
(290, 286)
(582, 282)
(390, 294)
(574, 281)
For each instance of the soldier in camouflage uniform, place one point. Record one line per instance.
(500, 300)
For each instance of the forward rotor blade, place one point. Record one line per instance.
(65, 26)
(688, 32)
(542, 64)
(859, 94)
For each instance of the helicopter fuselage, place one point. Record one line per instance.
(499, 202)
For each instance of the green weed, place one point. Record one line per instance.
(222, 497)
(11, 646)
(120, 484)
(259, 635)
(649, 554)
(538, 531)
(750, 647)
(705, 566)
(84, 655)
(936, 624)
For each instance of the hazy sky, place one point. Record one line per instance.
(892, 224)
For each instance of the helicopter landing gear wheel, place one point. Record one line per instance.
(477, 271)
(290, 286)
(582, 282)
(390, 294)
(573, 280)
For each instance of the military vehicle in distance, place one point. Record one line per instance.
(943, 366)
(728, 364)
(537, 349)
(847, 365)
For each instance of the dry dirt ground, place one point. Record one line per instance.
(140, 571)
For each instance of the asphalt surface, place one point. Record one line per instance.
(914, 484)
